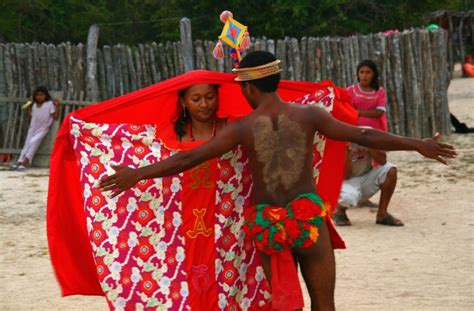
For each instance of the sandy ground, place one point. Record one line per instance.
(426, 265)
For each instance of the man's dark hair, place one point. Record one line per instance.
(257, 58)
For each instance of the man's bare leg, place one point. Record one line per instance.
(386, 193)
(319, 271)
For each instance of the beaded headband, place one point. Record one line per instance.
(258, 72)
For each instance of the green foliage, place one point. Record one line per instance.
(140, 21)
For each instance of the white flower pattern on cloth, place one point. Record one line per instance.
(134, 234)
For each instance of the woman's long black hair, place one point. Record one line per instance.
(375, 83)
(43, 90)
(184, 116)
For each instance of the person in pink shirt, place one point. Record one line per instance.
(368, 97)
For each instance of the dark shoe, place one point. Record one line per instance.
(341, 220)
(389, 220)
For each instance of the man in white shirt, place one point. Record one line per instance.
(363, 180)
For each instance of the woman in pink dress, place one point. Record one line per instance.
(368, 97)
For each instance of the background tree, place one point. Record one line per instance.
(139, 21)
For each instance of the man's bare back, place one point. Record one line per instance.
(279, 143)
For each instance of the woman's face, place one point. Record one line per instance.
(40, 97)
(201, 102)
(365, 75)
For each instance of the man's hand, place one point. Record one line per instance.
(432, 149)
(123, 179)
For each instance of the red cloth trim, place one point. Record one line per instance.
(336, 240)
(68, 241)
(286, 288)
(331, 171)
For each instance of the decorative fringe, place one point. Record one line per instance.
(218, 52)
(245, 44)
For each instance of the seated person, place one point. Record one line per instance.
(363, 180)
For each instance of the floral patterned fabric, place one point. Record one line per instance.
(137, 237)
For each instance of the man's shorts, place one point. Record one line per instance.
(363, 187)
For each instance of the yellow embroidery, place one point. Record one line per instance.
(199, 225)
(200, 176)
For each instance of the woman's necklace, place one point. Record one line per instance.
(214, 130)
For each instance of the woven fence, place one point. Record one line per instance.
(413, 68)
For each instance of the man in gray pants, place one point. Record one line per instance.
(363, 180)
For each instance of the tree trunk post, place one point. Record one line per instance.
(186, 43)
(92, 86)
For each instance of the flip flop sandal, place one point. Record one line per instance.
(341, 220)
(389, 220)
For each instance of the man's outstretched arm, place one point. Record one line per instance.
(126, 177)
(375, 139)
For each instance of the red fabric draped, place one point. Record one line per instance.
(70, 251)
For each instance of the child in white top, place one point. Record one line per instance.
(42, 112)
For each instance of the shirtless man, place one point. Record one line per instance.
(278, 137)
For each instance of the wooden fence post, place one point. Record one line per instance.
(3, 82)
(186, 43)
(280, 54)
(200, 55)
(92, 85)
(109, 71)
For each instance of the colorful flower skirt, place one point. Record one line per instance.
(276, 230)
